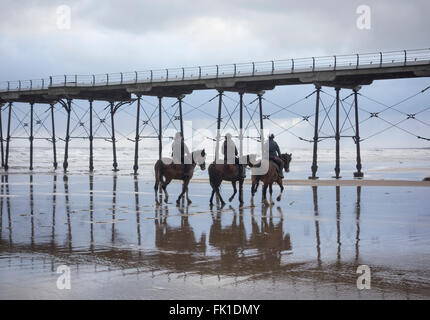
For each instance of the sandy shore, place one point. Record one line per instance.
(289, 182)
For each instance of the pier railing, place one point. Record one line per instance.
(235, 70)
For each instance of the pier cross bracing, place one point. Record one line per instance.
(341, 72)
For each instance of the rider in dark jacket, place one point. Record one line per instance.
(230, 153)
(179, 151)
(275, 154)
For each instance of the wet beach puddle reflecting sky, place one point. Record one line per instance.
(119, 244)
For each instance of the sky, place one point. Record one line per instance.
(113, 36)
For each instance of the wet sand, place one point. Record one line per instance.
(344, 182)
(120, 245)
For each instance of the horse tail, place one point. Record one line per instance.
(158, 173)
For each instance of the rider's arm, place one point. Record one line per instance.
(278, 150)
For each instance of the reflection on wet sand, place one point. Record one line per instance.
(247, 242)
(178, 248)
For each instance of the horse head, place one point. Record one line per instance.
(199, 158)
(286, 157)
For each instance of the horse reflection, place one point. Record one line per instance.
(177, 244)
(230, 240)
(262, 251)
(269, 236)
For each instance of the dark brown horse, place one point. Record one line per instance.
(269, 178)
(170, 171)
(227, 172)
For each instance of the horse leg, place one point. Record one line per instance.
(233, 183)
(164, 187)
(188, 199)
(270, 192)
(155, 191)
(214, 184)
(212, 196)
(282, 189)
(178, 201)
(264, 191)
(253, 189)
(252, 195)
(157, 181)
(256, 186)
(219, 196)
(241, 191)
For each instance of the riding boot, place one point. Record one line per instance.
(280, 167)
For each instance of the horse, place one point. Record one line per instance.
(227, 172)
(169, 170)
(269, 178)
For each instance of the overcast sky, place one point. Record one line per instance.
(111, 36)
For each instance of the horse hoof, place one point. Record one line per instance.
(230, 199)
(166, 200)
(190, 202)
(278, 199)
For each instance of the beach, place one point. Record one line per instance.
(118, 244)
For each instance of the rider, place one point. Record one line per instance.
(230, 153)
(275, 154)
(179, 151)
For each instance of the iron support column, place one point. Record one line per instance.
(66, 148)
(241, 144)
(181, 122)
(260, 104)
(358, 173)
(54, 147)
(241, 124)
(136, 141)
(112, 113)
(91, 138)
(218, 126)
(6, 165)
(1, 135)
(160, 129)
(314, 166)
(337, 136)
(31, 135)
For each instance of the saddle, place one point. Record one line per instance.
(240, 168)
